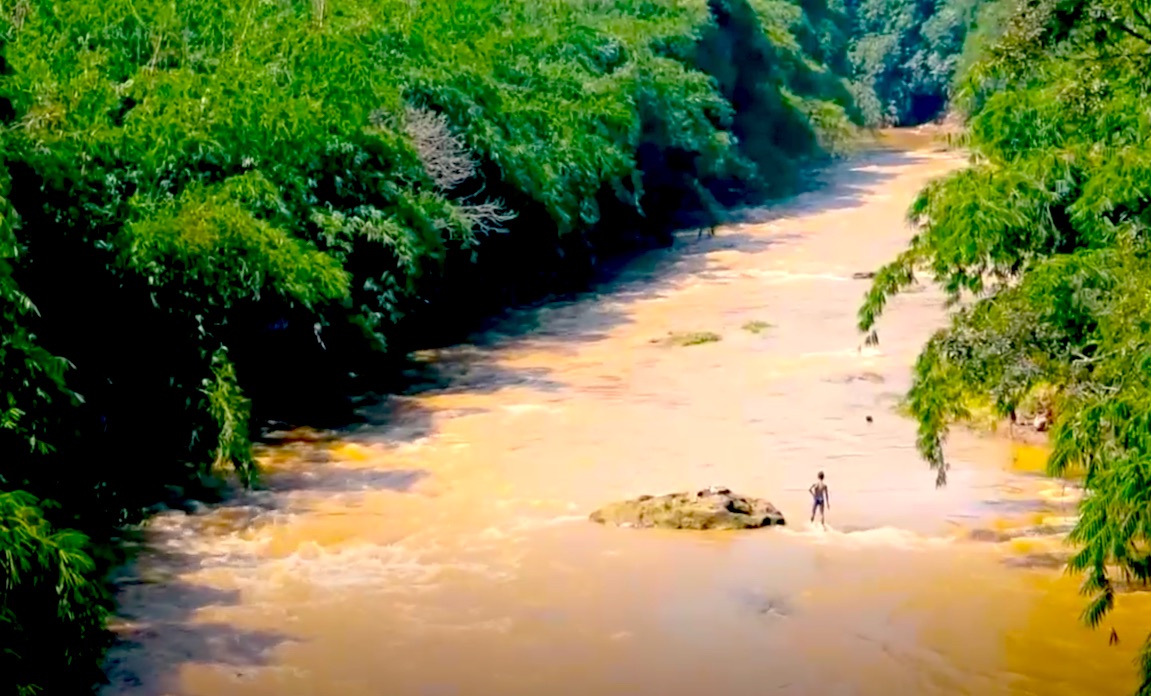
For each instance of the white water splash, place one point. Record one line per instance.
(887, 537)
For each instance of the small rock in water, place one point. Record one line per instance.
(988, 535)
(870, 419)
(765, 604)
(300, 434)
(712, 508)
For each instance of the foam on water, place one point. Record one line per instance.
(888, 537)
(1059, 520)
(517, 409)
(382, 570)
(528, 523)
(858, 352)
(1061, 493)
(415, 564)
(778, 277)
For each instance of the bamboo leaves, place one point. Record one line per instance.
(1054, 208)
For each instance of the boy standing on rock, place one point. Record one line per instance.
(822, 498)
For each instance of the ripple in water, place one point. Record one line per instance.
(451, 554)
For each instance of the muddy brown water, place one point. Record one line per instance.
(442, 547)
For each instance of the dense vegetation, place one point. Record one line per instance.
(1045, 244)
(217, 213)
(904, 55)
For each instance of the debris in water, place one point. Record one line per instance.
(692, 338)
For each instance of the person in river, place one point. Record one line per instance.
(822, 499)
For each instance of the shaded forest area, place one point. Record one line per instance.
(215, 214)
(1043, 243)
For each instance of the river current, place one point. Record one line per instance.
(441, 546)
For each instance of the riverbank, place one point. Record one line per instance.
(442, 544)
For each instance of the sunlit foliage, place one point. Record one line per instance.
(1043, 243)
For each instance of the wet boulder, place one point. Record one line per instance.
(712, 508)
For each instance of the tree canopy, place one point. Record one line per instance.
(904, 55)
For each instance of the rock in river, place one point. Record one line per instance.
(712, 508)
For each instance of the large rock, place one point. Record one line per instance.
(713, 508)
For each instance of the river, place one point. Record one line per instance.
(441, 546)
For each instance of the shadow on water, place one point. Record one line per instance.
(579, 318)
(471, 371)
(344, 480)
(575, 318)
(1038, 561)
(474, 368)
(172, 607)
(148, 651)
(150, 647)
(175, 631)
(398, 417)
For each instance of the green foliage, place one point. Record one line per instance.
(205, 201)
(47, 574)
(692, 338)
(904, 56)
(1043, 246)
(177, 247)
(232, 412)
(766, 124)
(31, 375)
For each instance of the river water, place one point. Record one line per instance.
(441, 546)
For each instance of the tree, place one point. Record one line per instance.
(1042, 243)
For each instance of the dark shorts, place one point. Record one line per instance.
(817, 505)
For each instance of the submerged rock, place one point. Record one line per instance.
(712, 508)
